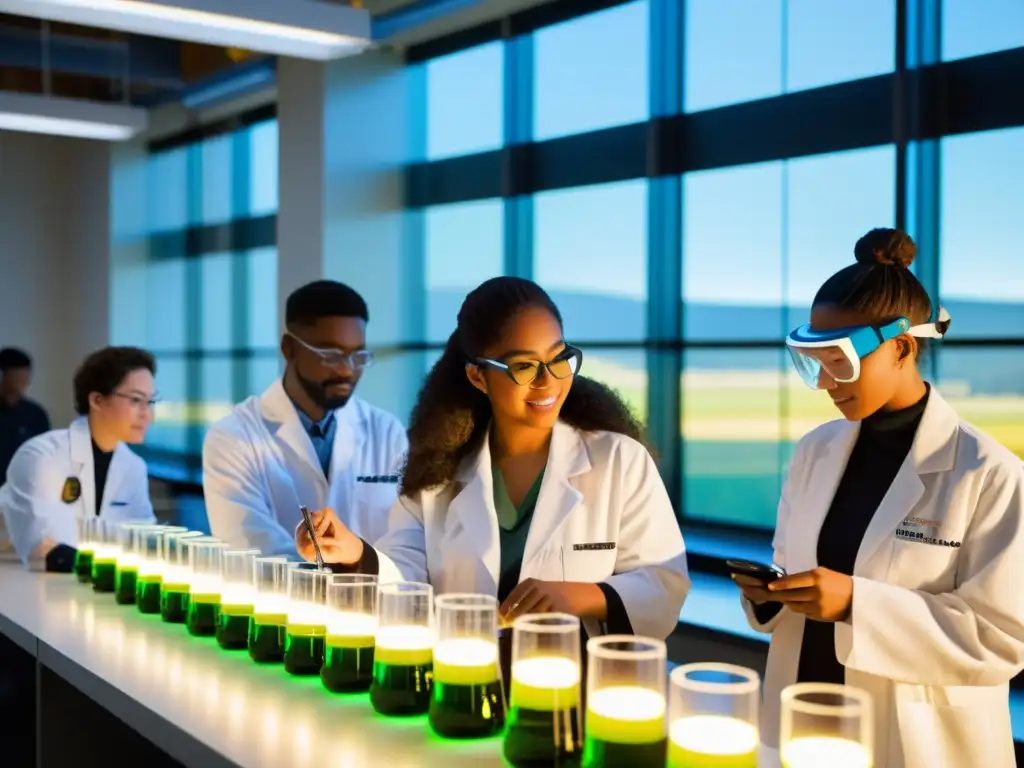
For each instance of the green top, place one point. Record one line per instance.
(513, 523)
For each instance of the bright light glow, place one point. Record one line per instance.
(627, 702)
(307, 613)
(300, 28)
(205, 584)
(106, 553)
(34, 113)
(466, 652)
(351, 624)
(271, 603)
(410, 637)
(151, 566)
(237, 594)
(824, 750)
(546, 672)
(714, 735)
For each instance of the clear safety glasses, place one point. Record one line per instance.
(567, 363)
(336, 358)
(838, 352)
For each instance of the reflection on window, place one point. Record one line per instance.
(986, 387)
(982, 267)
(734, 448)
(166, 309)
(464, 247)
(215, 191)
(465, 101)
(262, 371)
(170, 428)
(591, 72)
(217, 300)
(262, 299)
(623, 370)
(734, 48)
(975, 27)
(263, 168)
(217, 377)
(760, 240)
(590, 253)
(167, 190)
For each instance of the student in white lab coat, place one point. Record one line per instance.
(307, 440)
(526, 481)
(88, 468)
(902, 532)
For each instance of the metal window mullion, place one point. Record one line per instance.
(664, 242)
(516, 191)
(241, 266)
(193, 299)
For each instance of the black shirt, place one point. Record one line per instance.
(19, 422)
(101, 465)
(882, 445)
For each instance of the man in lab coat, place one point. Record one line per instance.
(307, 440)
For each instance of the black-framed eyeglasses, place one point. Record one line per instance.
(565, 364)
(138, 401)
(336, 358)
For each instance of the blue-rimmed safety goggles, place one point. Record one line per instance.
(838, 352)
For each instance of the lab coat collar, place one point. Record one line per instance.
(83, 467)
(933, 450)
(283, 419)
(567, 458)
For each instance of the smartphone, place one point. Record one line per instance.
(759, 571)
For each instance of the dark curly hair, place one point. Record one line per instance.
(451, 416)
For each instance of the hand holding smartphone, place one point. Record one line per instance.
(765, 574)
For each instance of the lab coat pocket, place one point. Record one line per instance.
(373, 502)
(584, 564)
(943, 736)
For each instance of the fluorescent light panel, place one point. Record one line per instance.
(305, 29)
(34, 113)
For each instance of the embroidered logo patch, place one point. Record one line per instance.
(72, 491)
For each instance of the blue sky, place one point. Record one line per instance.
(760, 234)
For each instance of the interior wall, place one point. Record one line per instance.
(54, 257)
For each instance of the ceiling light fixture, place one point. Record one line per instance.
(35, 113)
(304, 29)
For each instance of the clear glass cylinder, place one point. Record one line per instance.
(824, 724)
(468, 699)
(403, 656)
(625, 721)
(351, 632)
(307, 620)
(177, 576)
(133, 543)
(151, 566)
(270, 611)
(713, 716)
(104, 557)
(544, 726)
(237, 598)
(205, 560)
(86, 547)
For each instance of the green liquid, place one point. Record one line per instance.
(233, 627)
(401, 689)
(598, 753)
(266, 641)
(147, 593)
(203, 614)
(173, 605)
(104, 575)
(540, 738)
(124, 585)
(304, 651)
(83, 565)
(347, 670)
(467, 711)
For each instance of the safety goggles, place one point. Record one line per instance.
(838, 352)
(336, 358)
(567, 363)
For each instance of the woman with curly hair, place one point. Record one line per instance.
(526, 481)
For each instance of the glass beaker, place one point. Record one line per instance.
(307, 621)
(404, 653)
(87, 540)
(544, 726)
(151, 567)
(204, 559)
(351, 633)
(824, 724)
(269, 620)
(104, 558)
(237, 598)
(175, 586)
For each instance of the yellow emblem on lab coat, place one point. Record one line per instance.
(72, 490)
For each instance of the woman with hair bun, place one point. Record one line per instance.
(526, 481)
(901, 529)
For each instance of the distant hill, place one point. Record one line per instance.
(611, 318)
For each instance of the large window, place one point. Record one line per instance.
(982, 280)
(196, 287)
(758, 242)
(975, 27)
(741, 50)
(465, 111)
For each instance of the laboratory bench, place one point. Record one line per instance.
(86, 682)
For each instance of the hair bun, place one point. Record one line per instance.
(889, 247)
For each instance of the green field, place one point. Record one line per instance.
(739, 428)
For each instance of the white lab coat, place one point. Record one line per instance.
(259, 466)
(31, 502)
(936, 631)
(599, 487)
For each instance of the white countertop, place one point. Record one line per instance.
(205, 706)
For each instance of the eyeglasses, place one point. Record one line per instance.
(335, 358)
(567, 363)
(138, 401)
